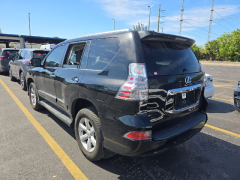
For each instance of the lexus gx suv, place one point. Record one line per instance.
(124, 92)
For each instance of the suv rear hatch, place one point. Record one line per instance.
(6, 56)
(175, 79)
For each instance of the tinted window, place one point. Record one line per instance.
(55, 58)
(168, 58)
(102, 52)
(40, 54)
(9, 53)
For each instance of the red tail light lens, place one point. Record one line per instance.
(136, 86)
(4, 58)
(27, 62)
(146, 135)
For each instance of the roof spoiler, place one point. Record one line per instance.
(154, 36)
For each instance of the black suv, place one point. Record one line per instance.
(126, 92)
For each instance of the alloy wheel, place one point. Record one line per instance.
(22, 80)
(87, 134)
(33, 96)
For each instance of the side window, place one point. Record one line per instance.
(22, 55)
(74, 54)
(102, 52)
(56, 56)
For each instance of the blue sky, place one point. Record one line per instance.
(72, 18)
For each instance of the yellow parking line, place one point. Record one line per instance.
(222, 130)
(222, 99)
(70, 165)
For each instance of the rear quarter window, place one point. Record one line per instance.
(102, 51)
(40, 54)
(169, 58)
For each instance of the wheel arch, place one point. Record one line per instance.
(79, 104)
(29, 81)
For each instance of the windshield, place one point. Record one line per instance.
(169, 58)
(40, 54)
(9, 53)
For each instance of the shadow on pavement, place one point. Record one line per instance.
(219, 107)
(202, 157)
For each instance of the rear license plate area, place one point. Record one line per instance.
(186, 99)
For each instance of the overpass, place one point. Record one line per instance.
(8, 38)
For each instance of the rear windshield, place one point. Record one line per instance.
(40, 54)
(169, 58)
(9, 53)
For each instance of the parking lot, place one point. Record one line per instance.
(36, 145)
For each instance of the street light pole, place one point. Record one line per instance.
(149, 17)
(29, 24)
(29, 27)
(113, 24)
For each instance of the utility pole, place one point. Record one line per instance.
(162, 30)
(181, 20)
(113, 24)
(211, 20)
(159, 10)
(149, 17)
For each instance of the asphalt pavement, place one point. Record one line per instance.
(48, 150)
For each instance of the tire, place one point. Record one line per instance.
(23, 82)
(33, 97)
(10, 75)
(87, 119)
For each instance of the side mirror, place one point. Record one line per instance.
(36, 62)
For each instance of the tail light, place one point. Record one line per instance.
(4, 58)
(202, 69)
(136, 86)
(28, 63)
(146, 135)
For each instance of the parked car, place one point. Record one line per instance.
(126, 92)
(6, 54)
(209, 88)
(237, 97)
(19, 66)
(47, 46)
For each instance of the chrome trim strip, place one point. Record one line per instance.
(190, 108)
(184, 89)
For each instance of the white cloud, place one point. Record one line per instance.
(130, 11)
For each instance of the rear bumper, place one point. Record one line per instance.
(4, 68)
(209, 91)
(161, 139)
(237, 99)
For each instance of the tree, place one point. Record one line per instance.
(55, 37)
(140, 27)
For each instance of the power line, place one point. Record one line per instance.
(190, 24)
(221, 25)
(225, 19)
